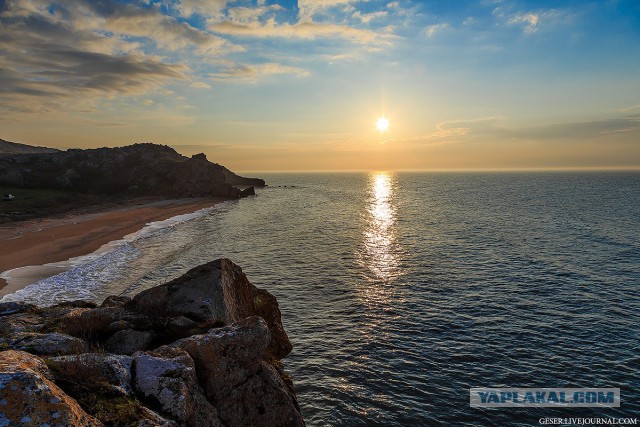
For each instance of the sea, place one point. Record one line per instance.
(401, 291)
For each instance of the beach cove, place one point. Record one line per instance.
(36, 242)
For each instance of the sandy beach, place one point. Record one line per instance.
(48, 240)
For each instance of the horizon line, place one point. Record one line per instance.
(454, 170)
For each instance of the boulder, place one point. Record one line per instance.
(13, 307)
(28, 396)
(216, 292)
(226, 357)
(262, 400)
(103, 370)
(20, 322)
(129, 341)
(52, 343)
(168, 375)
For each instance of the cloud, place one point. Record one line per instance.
(200, 85)
(251, 14)
(301, 30)
(532, 22)
(51, 75)
(53, 53)
(366, 18)
(493, 127)
(253, 72)
(529, 19)
(582, 130)
(630, 109)
(431, 30)
(309, 8)
(203, 7)
(164, 31)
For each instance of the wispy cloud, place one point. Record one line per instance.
(200, 85)
(301, 30)
(254, 72)
(309, 8)
(431, 30)
(630, 109)
(203, 7)
(530, 21)
(366, 18)
(497, 128)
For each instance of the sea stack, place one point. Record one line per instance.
(202, 350)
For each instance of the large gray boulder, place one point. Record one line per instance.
(218, 293)
(53, 343)
(28, 396)
(168, 375)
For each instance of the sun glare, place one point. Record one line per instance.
(382, 124)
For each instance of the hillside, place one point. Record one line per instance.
(8, 147)
(80, 178)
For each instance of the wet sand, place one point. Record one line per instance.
(43, 241)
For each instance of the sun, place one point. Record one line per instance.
(382, 124)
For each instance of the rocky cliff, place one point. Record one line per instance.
(135, 170)
(202, 350)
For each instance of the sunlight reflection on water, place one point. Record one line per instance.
(379, 236)
(377, 253)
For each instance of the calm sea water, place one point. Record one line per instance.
(401, 291)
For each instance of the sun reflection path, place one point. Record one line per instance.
(379, 235)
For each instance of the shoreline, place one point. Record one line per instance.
(43, 241)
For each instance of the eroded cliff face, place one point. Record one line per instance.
(202, 350)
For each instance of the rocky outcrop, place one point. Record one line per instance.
(216, 292)
(201, 350)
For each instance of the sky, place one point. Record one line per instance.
(272, 85)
